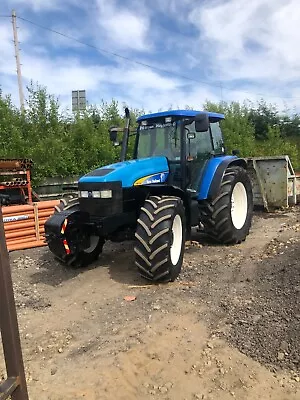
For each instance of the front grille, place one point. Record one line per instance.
(102, 207)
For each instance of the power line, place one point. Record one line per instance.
(215, 85)
(118, 55)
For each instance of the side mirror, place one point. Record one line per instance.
(113, 134)
(201, 122)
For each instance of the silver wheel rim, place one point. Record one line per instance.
(94, 240)
(175, 250)
(239, 205)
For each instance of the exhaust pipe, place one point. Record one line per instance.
(125, 135)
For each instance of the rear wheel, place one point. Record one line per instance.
(160, 238)
(91, 244)
(228, 217)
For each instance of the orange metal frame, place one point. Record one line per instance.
(28, 186)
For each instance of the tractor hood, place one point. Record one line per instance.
(131, 173)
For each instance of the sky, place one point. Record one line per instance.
(200, 50)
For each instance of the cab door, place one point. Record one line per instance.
(199, 149)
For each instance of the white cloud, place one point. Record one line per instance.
(138, 85)
(251, 47)
(170, 8)
(5, 44)
(122, 27)
(251, 40)
(41, 5)
(7, 59)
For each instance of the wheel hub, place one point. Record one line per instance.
(239, 205)
(176, 237)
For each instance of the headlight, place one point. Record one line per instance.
(84, 193)
(96, 194)
(106, 194)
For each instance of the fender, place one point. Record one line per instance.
(213, 175)
(163, 190)
(189, 201)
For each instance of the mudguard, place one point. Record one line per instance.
(59, 235)
(213, 175)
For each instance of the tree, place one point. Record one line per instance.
(263, 116)
(238, 131)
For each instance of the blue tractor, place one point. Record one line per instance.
(179, 178)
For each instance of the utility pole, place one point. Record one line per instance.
(17, 55)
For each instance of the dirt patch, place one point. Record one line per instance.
(266, 324)
(227, 328)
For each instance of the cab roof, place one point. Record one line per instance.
(182, 113)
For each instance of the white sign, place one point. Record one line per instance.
(17, 218)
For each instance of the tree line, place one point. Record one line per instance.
(64, 144)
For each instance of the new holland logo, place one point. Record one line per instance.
(156, 178)
(152, 180)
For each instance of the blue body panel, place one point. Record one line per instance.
(128, 172)
(181, 113)
(209, 174)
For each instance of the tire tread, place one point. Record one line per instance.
(153, 238)
(215, 214)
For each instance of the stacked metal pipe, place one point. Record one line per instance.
(24, 224)
(14, 183)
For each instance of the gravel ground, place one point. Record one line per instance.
(227, 328)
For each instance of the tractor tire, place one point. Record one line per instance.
(160, 238)
(67, 203)
(227, 218)
(89, 254)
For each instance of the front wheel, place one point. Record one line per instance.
(228, 217)
(90, 245)
(160, 238)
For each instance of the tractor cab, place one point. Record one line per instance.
(188, 139)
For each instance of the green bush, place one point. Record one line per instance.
(64, 145)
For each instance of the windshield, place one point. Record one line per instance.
(159, 139)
